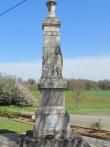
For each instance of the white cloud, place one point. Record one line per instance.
(23, 70)
(95, 68)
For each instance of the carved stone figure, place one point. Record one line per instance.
(52, 65)
(51, 4)
(44, 67)
(58, 62)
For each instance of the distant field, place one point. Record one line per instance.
(91, 102)
(90, 98)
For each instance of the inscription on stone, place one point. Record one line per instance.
(52, 122)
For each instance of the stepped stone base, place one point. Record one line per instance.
(75, 140)
(11, 140)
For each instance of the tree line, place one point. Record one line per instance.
(72, 84)
(88, 84)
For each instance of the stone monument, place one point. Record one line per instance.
(52, 118)
(52, 126)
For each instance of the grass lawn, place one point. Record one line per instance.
(18, 109)
(89, 110)
(10, 111)
(91, 103)
(10, 125)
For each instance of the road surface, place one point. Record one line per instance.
(85, 121)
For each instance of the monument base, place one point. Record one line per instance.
(53, 121)
(75, 140)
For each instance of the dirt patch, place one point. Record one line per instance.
(23, 120)
(19, 120)
(100, 134)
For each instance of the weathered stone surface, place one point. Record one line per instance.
(52, 121)
(49, 120)
(94, 142)
(52, 61)
(52, 98)
(11, 140)
(51, 5)
(74, 141)
(51, 22)
(53, 84)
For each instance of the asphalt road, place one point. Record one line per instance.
(85, 121)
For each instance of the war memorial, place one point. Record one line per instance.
(52, 125)
(52, 120)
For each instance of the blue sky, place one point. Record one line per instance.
(85, 32)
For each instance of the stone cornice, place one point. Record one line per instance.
(51, 22)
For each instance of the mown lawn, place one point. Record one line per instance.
(18, 109)
(90, 103)
(90, 94)
(11, 125)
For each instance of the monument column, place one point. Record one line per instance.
(52, 118)
(52, 125)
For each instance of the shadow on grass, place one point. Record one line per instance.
(6, 131)
(9, 137)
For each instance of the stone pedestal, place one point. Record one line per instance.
(52, 117)
(52, 121)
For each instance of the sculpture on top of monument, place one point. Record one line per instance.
(51, 5)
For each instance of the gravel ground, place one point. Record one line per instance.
(85, 121)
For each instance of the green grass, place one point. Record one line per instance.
(99, 94)
(17, 109)
(89, 110)
(91, 103)
(10, 125)
(89, 94)
(14, 111)
(36, 94)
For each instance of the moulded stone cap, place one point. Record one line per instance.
(51, 22)
(53, 1)
(55, 84)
